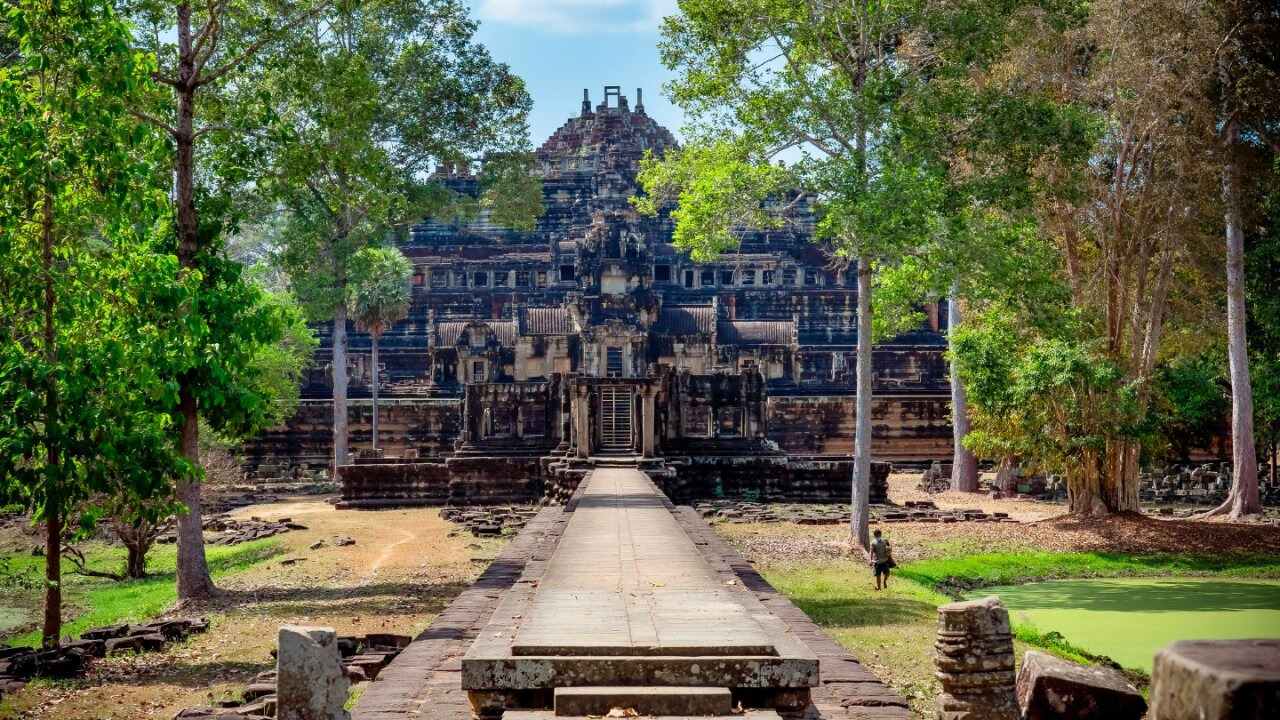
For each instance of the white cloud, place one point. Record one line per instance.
(578, 16)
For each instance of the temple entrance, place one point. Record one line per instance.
(615, 419)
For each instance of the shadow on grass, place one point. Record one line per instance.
(1145, 597)
(860, 612)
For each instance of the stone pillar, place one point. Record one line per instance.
(582, 413)
(310, 684)
(974, 656)
(1216, 680)
(647, 421)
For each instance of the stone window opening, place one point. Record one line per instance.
(613, 362)
(662, 273)
(568, 273)
(459, 278)
(542, 278)
(767, 277)
(439, 278)
(708, 278)
(748, 278)
(789, 276)
(688, 278)
(480, 279)
(522, 278)
(500, 279)
(726, 277)
(477, 371)
(810, 277)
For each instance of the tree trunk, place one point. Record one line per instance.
(136, 563)
(964, 464)
(1005, 480)
(374, 388)
(340, 456)
(51, 635)
(194, 582)
(52, 632)
(860, 519)
(1106, 481)
(1244, 497)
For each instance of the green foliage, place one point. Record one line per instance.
(375, 97)
(84, 387)
(380, 291)
(1048, 396)
(1191, 401)
(107, 602)
(278, 368)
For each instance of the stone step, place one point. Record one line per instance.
(550, 715)
(677, 701)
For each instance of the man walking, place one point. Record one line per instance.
(881, 560)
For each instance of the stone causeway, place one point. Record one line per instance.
(620, 599)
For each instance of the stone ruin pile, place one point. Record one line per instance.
(1203, 484)
(743, 511)
(226, 530)
(361, 658)
(18, 665)
(490, 521)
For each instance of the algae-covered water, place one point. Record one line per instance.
(1129, 619)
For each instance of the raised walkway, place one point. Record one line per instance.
(621, 598)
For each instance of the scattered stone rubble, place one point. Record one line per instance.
(490, 521)
(226, 530)
(742, 511)
(20, 664)
(1203, 484)
(362, 658)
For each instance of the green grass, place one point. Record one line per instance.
(92, 602)
(954, 575)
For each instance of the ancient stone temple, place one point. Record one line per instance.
(591, 335)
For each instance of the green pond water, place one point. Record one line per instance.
(1130, 619)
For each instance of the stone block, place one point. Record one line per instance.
(310, 684)
(1050, 688)
(688, 701)
(1216, 680)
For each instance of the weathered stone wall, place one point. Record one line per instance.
(426, 426)
(776, 478)
(904, 427)
(458, 481)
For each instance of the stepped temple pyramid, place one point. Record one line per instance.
(526, 356)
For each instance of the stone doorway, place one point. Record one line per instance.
(616, 414)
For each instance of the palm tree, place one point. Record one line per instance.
(379, 298)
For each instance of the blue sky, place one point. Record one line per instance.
(560, 47)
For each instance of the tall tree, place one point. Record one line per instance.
(1247, 73)
(86, 410)
(380, 297)
(381, 94)
(209, 57)
(770, 76)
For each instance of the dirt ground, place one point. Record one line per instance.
(404, 567)
(1042, 526)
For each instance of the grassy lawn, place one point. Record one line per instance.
(892, 632)
(93, 602)
(965, 572)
